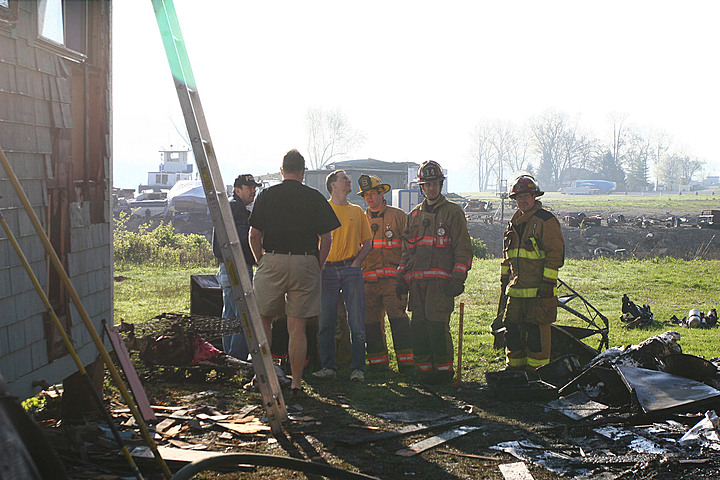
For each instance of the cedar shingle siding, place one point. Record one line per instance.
(55, 131)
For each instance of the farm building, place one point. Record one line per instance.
(55, 130)
(398, 175)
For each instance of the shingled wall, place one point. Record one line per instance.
(55, 130)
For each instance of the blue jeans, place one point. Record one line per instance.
(233, 345)
(349, 280)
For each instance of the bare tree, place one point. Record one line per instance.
(660, 143)
(678, 169)
(500, 139)
(637, 160)
(619, 136)
(519, 150)
(482, 154)
(329, 136)
(560, 146)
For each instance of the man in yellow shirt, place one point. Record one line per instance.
(343, 273)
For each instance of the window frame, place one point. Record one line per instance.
(61, 48)
(9, 14)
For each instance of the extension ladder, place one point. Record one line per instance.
(220, 212)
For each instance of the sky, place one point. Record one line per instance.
(416, 77)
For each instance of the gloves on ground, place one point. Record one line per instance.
(546, 290)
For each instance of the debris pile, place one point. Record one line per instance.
(175, 340)
(633, 406)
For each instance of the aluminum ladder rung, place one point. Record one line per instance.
(220, 212)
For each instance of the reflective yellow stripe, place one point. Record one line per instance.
(504, 269)
(522, 253)
(522, 292)
(550, 273)
(535, 246)
(534, 362)
(516, 362)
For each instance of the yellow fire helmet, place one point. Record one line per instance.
(369, 182)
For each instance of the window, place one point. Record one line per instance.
(8, 11)
(50, 20)
(63, 22)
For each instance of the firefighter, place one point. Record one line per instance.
(437, 255)
(379, 271)
(533, 252)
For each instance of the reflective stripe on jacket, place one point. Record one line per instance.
(437, 243)
(387, 228)
(534, 251)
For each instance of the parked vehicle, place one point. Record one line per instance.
(588, 187)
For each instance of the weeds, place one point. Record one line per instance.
(159, 246)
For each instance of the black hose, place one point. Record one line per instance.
(188, 471)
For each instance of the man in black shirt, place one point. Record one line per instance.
(288, 222)
(244, 190)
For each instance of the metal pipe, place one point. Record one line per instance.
(70, 347)
(188, 471)
(83, 313)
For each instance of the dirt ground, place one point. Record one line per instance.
(334, 414)
(639, 236)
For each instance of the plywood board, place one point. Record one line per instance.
(431, 442)
(515, 471)
(138, 391)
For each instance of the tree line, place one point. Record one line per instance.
(557, 151)
(551, 146)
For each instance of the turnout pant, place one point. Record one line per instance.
(527, 339)
(380, 298)
(431, 339)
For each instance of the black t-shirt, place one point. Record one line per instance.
(291, 216)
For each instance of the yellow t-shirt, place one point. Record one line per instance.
(354, 229)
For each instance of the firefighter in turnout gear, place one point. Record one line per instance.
(437, 254)
(533, 252)
(380, 273)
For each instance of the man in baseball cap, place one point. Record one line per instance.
(244, 190)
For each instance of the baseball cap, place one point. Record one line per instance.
(246, 179)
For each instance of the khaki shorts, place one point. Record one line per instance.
(288, 284)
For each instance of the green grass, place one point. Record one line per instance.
(148, 291)
(669, 286)
(631, 203)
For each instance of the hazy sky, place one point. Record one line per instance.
(415, 76)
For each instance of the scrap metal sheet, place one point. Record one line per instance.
(657, 391)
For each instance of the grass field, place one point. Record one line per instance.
(633, 202)
(669, 286)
